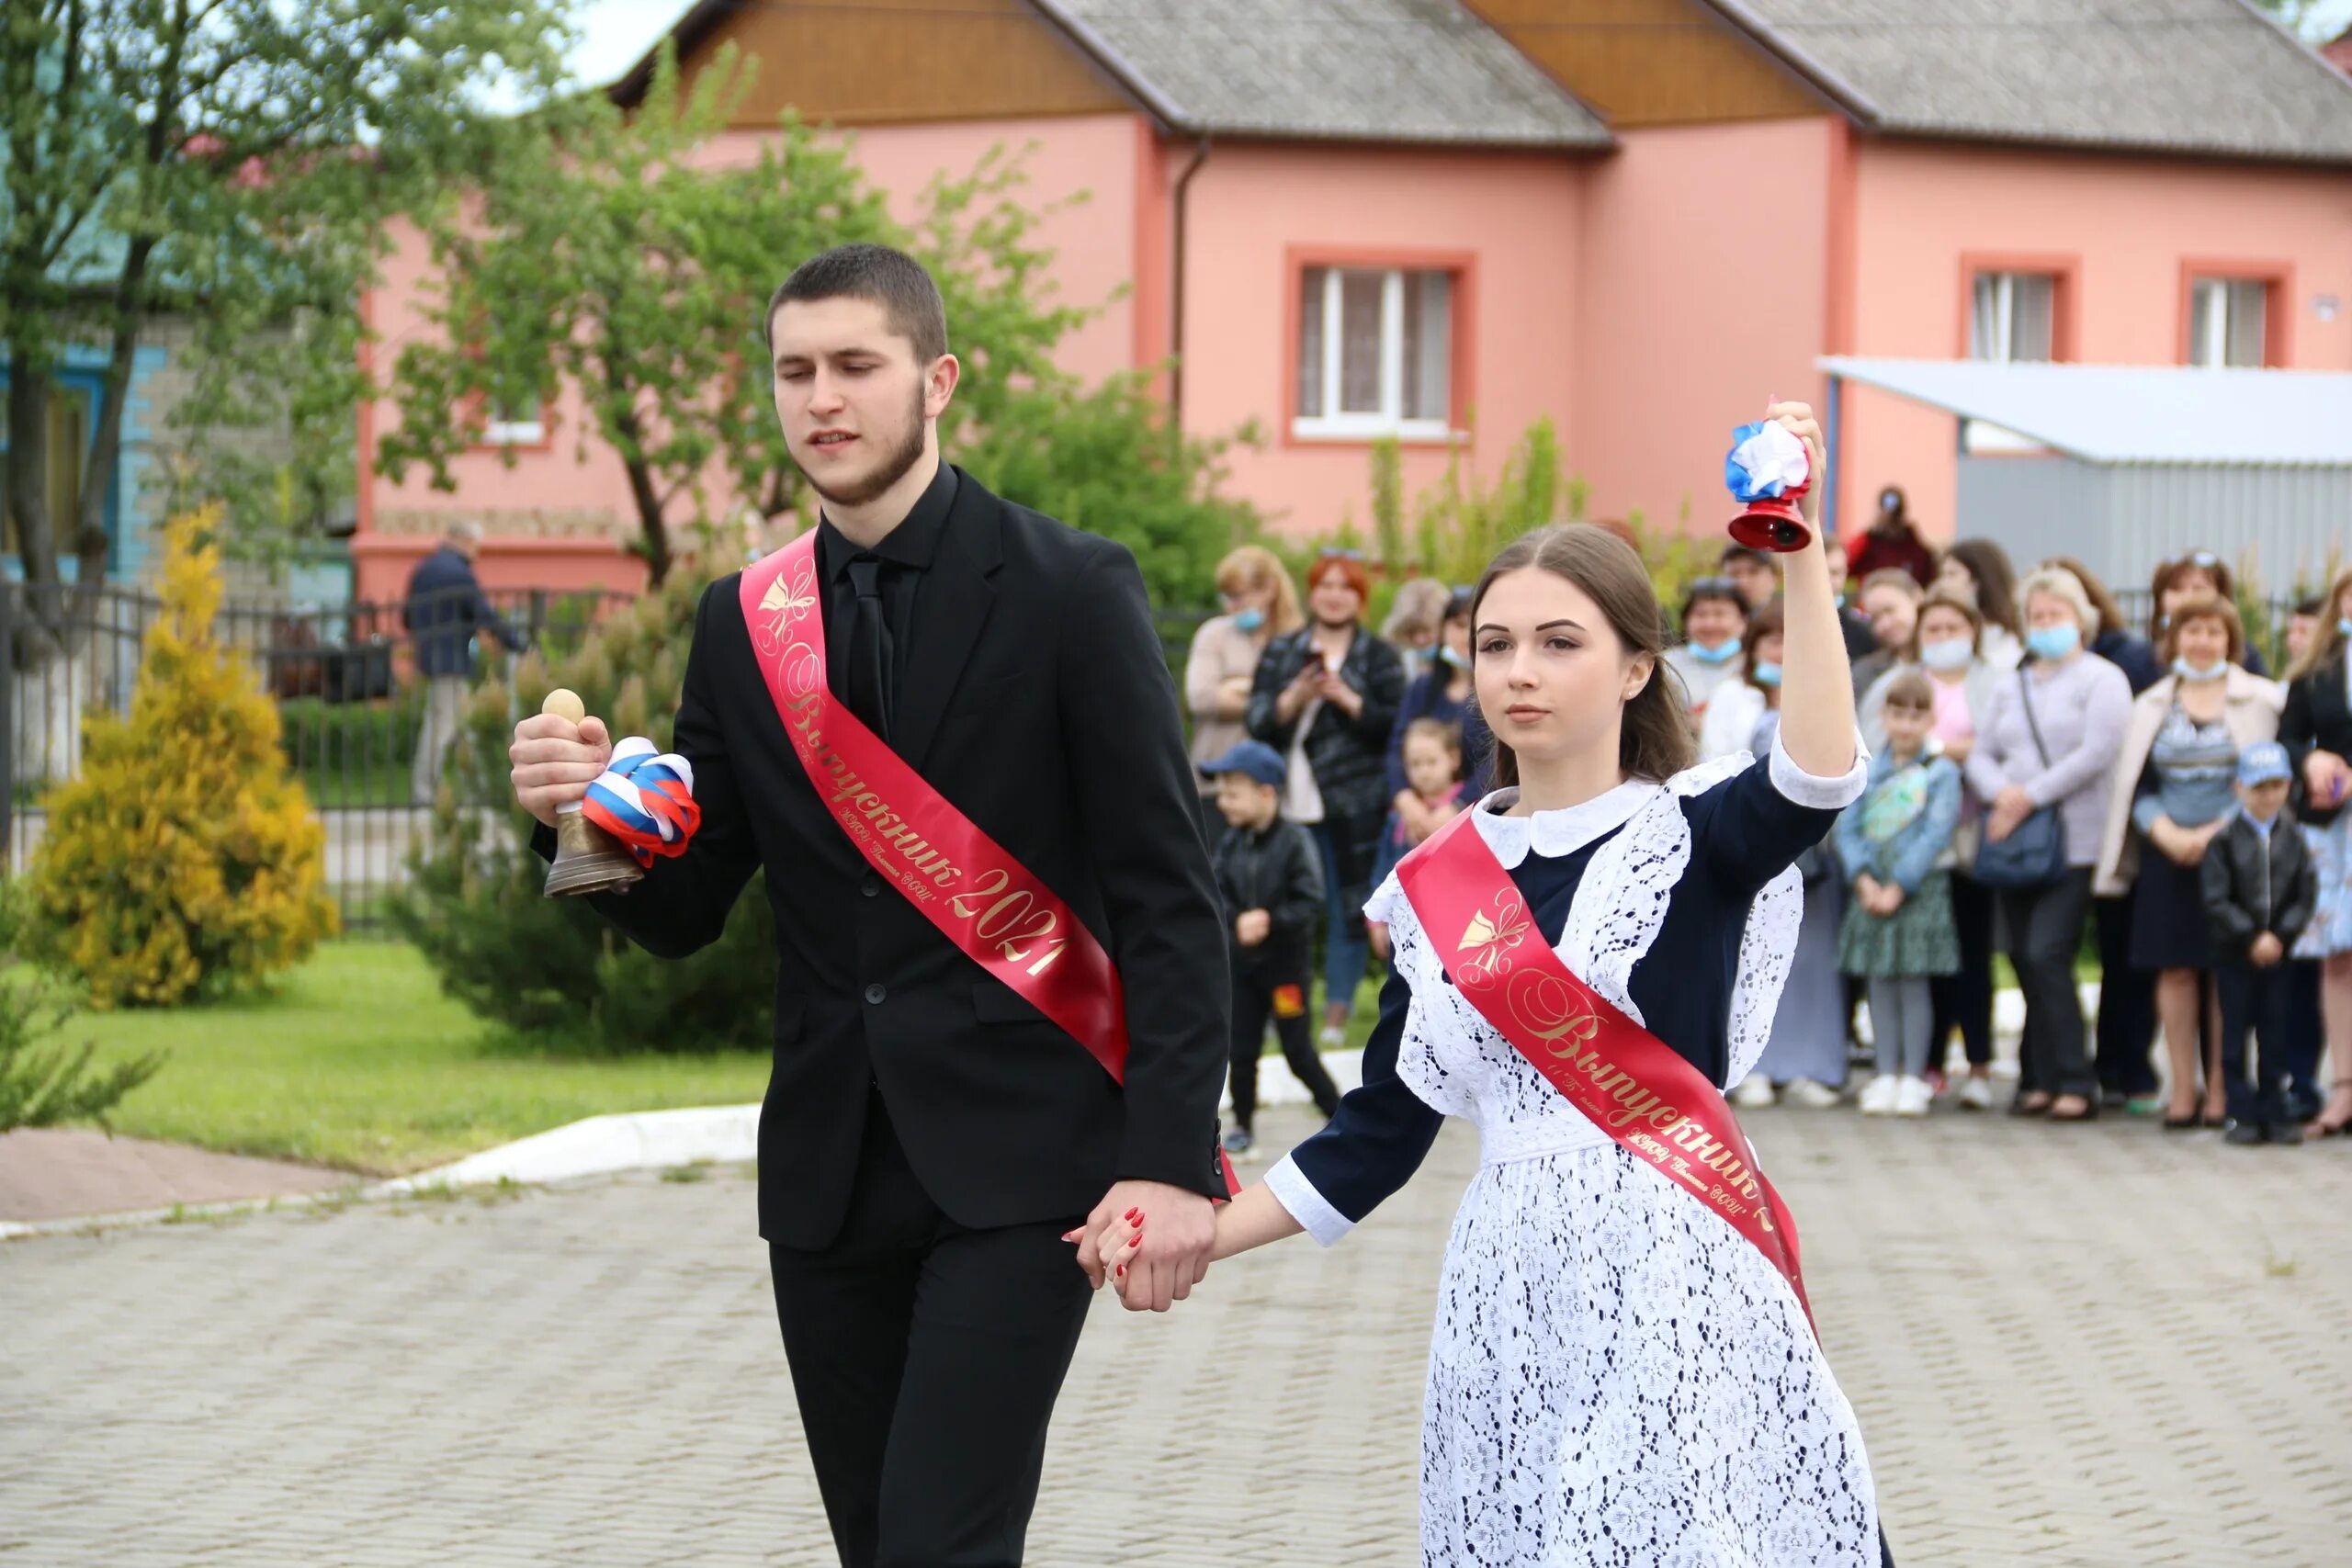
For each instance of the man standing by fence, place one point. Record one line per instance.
(445, 611)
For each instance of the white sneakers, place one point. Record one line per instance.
(1891, 1096)
(1752, 1091)
(1810, 1095)
(1975, 1093)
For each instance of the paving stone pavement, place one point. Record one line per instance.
(2081, 1346)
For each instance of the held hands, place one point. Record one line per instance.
(1110, 1244)
(2266, 951)
(1251, 926)
(555, 760)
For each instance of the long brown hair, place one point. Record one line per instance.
(1997, 583)
(2327, 637)
(1654, 738)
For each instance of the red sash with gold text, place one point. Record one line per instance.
(964, 882)
(1624, 1079)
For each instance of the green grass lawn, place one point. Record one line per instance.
(357, 1060)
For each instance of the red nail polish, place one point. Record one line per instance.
(1122, 1270)
(1130, 1215)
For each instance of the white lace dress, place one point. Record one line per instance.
(1617, 1376)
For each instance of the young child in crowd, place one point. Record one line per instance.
(2260, 889)
(1432, 753)
(1894, 845)
(1270, 881)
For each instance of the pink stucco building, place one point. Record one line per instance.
(1442, 218)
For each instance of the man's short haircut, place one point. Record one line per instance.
(892, 279)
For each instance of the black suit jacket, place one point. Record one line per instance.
(1037, 701)
(2318, 717)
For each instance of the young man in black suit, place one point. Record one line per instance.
(928, 1135)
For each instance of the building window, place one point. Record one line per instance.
(69, 429)
(1376, 353)
(515, 424)
(2013, 316)
(2227, 317)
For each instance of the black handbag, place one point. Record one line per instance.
(2034, 854)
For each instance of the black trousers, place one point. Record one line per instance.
(2257, 1019)
(926, 1359)
(2127, 1005)
(1271, 981)
(1963, 1001)
(2045, 930)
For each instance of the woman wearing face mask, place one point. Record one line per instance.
(1714, 618)
(1944, 649)
(2049, 744)
(1326, 696)
(2190, 575)
(2173, 792)
(1979, 571)
(1442, 693)
(1412, 628)
(2318, 728)
(1260, 606)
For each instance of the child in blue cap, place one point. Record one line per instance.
(1270, 880)
(2260, 889)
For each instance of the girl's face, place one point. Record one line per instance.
(2187, 580)
(2204, 643)
(1457, 637)
(1906, 728)
(1952, 572)
(1944, 623)
(1894, 614)
(1334, 599)
(2298, 635)
(1713, 622)
(1429, 765)
(1551, 677)
(1768, 649)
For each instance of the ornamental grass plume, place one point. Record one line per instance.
(185, 861)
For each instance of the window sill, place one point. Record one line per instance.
(514, 432)
(1340, 432)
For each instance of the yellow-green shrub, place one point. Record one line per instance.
(185, 861)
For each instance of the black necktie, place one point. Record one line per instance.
(869, 648)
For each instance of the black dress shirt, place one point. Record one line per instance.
(906, 553)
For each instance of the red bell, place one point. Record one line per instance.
(1773, 523)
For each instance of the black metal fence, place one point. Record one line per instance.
(352, 705)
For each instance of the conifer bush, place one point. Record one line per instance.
(185, 861)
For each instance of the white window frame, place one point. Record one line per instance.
(2213, 353)
(514, 432)
(2005, 283)
(1389, 421)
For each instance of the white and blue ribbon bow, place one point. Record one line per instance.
(1765, 462)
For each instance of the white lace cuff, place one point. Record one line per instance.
(1309, 1208)
(1822, 794)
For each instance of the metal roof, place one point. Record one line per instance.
(2205, 78)
(2135, 413)
(1409, 71)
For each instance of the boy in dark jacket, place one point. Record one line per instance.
(1271, 883)
(2260, 889)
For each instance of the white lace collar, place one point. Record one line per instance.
(1561, 832)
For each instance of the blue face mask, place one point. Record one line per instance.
(1765, 673)
(1250, 620)
(1455, 661)
(1717, 653)
(1952, 653)
(2053, 642)
(2343, 626)
(2188, 672)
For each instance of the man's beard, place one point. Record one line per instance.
(893, 468)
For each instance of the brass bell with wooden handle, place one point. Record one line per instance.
(587, 859)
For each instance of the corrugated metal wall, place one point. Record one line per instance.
(2287, 523)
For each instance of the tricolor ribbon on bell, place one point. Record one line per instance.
(1768, 471)
(645, 799)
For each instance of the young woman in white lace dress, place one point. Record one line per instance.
(1618, 1376)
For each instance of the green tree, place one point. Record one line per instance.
(233, 162)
